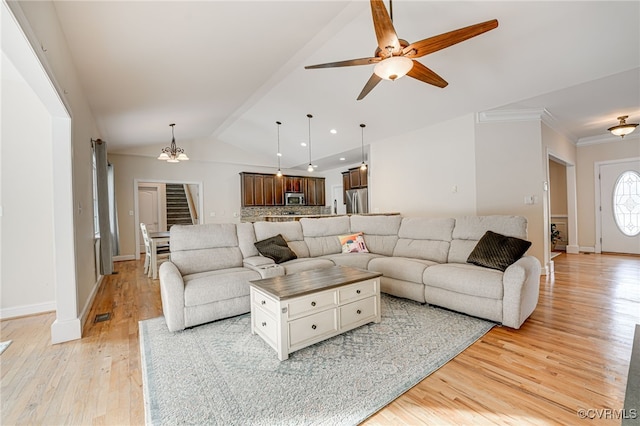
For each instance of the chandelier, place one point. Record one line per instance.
(623, 128)
(173, 153)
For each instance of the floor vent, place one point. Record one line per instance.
(102, 317)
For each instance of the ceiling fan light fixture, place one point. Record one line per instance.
(393, 67)
(623, 128)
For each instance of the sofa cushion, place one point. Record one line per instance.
(214, 286)
(246, 239)
(353, 243)
(497, 251)
(465, 279)
(469, 229)
(355, 260)
(380, 232)
(424, 238)
(207, 247)
(400, 268)
(321, 235)
(291, 231)
(275, 248)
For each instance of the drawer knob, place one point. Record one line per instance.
(313, 327)
(358, 312)
(357, 291)
(264, 324)
(264, 302)
(313, 303)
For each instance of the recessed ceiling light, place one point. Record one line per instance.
(333, 131)
(342, 158)
(303, 144)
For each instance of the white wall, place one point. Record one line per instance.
(429, 172)
(51, 74)
(509, 166)
(27, 276)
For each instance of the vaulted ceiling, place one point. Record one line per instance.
(226, 71)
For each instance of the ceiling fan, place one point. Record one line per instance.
(395, 57)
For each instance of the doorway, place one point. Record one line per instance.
(618, 206)
(150, 205)
(559, 230)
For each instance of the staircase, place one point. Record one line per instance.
(177, 206)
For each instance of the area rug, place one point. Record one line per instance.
(4, 345)
(219, 373)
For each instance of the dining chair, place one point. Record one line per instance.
(162, 251)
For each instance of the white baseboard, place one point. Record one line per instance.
(124, 257)
(21, 311)
(587, 249)
(66, 330)
(89, 303)
(573, 249)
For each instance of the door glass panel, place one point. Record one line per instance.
(626, 203)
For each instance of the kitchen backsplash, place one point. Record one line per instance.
(253, 214)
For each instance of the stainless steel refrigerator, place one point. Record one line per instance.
(357, 201)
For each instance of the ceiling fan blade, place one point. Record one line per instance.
(348, 63)
(433, 44)
(422, 73)
(373, 81)
(385, 33)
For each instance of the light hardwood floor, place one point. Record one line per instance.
(571, 355)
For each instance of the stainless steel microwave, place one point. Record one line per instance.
(294, 199)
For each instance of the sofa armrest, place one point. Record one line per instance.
(172, 295)
(521, 282)
(266, 267)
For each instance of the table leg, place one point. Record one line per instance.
(154, 259)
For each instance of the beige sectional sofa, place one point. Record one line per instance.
(422, 259)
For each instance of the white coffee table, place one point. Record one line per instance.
(294, 311)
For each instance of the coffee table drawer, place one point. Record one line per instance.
(313, 303)
(266, 303)
(358, 291)
(358, 313)
(266, 326)
(313, 327)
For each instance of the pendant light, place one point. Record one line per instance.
(310, 168)
(279, 154)
(364, 165)
(623, 128)
(173, 154)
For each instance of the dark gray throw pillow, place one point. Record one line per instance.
(497, 251)
(275, 248)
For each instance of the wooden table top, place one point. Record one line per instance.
(307, 282)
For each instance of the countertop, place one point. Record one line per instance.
(288, 217)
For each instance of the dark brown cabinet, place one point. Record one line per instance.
(293, 183)
(314, 192)
(354, 178)
(259, 189)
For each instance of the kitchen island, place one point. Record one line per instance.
(295, 217)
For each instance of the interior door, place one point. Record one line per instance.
(620, 207)
(148, 211)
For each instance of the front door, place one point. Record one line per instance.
(620, 207)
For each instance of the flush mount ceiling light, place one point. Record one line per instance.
(279, 154)
(310, 168)
(364, 165)
(623, 128)
(173, 154)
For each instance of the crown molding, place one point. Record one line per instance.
(595, 140)
(524, 114)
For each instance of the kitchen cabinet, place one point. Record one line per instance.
(314, 193)
(259, 189)
(354, 178)
(293, 183)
